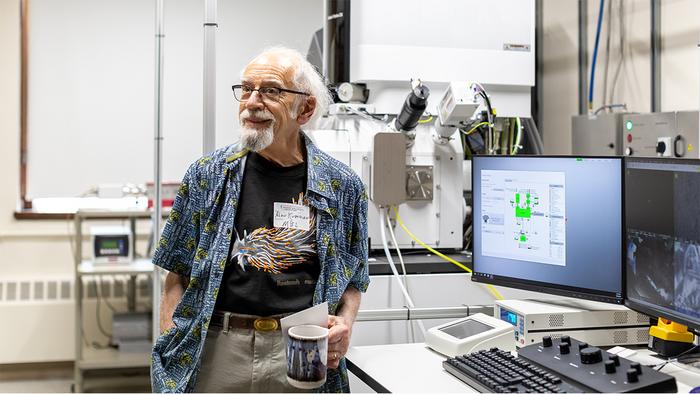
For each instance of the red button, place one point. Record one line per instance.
(629, 137)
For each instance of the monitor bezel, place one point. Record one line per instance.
(640, 305)
(558, 289)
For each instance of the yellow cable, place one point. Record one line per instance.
(475, 127)
(426, 120)
(458, 264)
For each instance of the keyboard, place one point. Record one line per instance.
(562, 365)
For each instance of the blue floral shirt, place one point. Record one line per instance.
(195, 244)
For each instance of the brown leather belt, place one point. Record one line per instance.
(257, 323)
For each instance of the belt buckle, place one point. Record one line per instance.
(265, 324)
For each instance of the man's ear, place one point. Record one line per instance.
(308, 107)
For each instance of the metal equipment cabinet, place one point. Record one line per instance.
(89, 358)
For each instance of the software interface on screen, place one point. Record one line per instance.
(663, 235)
(553, 220)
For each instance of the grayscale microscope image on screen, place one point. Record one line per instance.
(663, 235)
(553, 222)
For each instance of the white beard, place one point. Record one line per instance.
(256, 139)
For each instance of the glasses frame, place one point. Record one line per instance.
(240, 86)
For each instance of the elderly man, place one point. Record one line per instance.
(261, 229)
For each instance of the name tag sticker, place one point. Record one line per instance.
(292, 216)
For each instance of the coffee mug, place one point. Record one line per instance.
(307, 356)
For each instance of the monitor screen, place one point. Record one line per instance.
(662, 220)
(549, 224)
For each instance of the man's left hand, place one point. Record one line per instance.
(338, 340)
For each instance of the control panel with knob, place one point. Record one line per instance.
(599, 371)
(591, 355)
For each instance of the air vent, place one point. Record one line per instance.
(644, 319)
(556, 320)
(642, 336)
(620, 317)
(620, 337)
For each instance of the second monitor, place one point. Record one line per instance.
(549, 224)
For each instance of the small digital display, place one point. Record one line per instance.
(509, 317)
(110, 244)
(466, 328)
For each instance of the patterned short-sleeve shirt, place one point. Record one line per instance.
(196, 239)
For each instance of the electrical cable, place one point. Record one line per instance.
(474, 128)
(621, 32)
(403, 267)
(516, 146)
(489, 116)
(97, 312)
(595, 54)
(678, 357)
(610, 106)
(398, 250)
(430, 117)
(536, 133)
(458, 264)
(377, 117)
(606, 69)
(409, 301)
(363, 115)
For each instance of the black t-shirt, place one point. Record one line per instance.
(269, 270)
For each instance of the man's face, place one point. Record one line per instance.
(262, 119)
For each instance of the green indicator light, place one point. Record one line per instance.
(628, 125)
(523, 238)
(579, 159)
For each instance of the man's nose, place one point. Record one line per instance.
(255, 101)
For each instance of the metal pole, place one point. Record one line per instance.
(326, 33)
(210, 26)
(158, 163)
(582, 57)
(655, 55)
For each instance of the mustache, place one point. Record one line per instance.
(261, 114)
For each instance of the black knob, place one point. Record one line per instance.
(661, 147)
(565, 339)
(615, 358)
(637, 367)
(547, 341)
(632, 375)
(582, 346)
(591, 355)
(610, 366)
(564, 348)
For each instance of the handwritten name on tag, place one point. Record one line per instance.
(292, 216)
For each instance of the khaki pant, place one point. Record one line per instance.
(243, 360)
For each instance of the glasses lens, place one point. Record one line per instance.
(270, 93)
(237, 91)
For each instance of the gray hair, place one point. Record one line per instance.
(306, 79)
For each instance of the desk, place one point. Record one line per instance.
(413, 367)
(410, 367)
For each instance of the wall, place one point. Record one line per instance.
(30, 249)
(40, 250)
(680, 32)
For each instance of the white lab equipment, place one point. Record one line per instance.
(470, 334)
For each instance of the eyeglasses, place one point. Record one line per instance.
(243, 92)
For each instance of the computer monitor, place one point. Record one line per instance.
(549, 224)
(662, 223)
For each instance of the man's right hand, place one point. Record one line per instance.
(172, 294)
